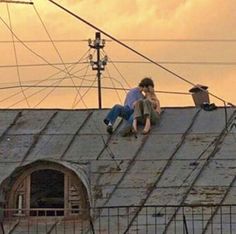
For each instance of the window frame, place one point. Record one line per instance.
(69, 178)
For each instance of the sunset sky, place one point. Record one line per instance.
(170, 32)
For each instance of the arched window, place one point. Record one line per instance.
(47, 189)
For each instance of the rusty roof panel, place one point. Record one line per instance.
(101, 194)
(150, 170)
(205, 195)
(196, 146)
(178, 173)
(127, 196)
(106, 179)
(166, 196)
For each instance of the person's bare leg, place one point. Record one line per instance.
(147, 126)
(138, 109)
(135, 125)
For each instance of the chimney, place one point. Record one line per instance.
(200, 96)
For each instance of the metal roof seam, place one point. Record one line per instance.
(37, 137)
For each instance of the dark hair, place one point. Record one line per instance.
(145, 82)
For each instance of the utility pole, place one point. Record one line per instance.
(99, 64)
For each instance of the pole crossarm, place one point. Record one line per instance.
(18, 2)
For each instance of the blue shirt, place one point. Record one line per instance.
(132, 96)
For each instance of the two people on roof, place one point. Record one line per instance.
(141, 106)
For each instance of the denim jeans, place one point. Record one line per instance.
(119, 111)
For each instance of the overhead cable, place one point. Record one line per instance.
(220, 40)
(28, 48)
(114, 86)
(113, 62)
(19, 2)
(134, 51)
(81, 83)
(178, 62)
(116, 68)
(41, 64)
(16, 59)
(46, 79)
(57, 51)
(86, 86)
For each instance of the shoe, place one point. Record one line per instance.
(110, 129)
(106, 121)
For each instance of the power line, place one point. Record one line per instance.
(116, 68)
(131, 40)
(206, 63)
(85, 86)
(179, 40)
(50, 92)
(113, 85)
(12, 1)
(58, 53)
(28, 48)
(135, 51)
(63, 78)
(86, 92)
(46, 41)
(81, 83)
(177, 62)
(41, 64)
(15, 54)
(122, 77)
(48, 78)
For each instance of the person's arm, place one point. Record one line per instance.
(155, 101)
(158, 106)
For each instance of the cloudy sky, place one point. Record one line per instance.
(194, 38)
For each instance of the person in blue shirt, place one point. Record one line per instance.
(126, 111)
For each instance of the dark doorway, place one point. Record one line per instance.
(47, 191)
